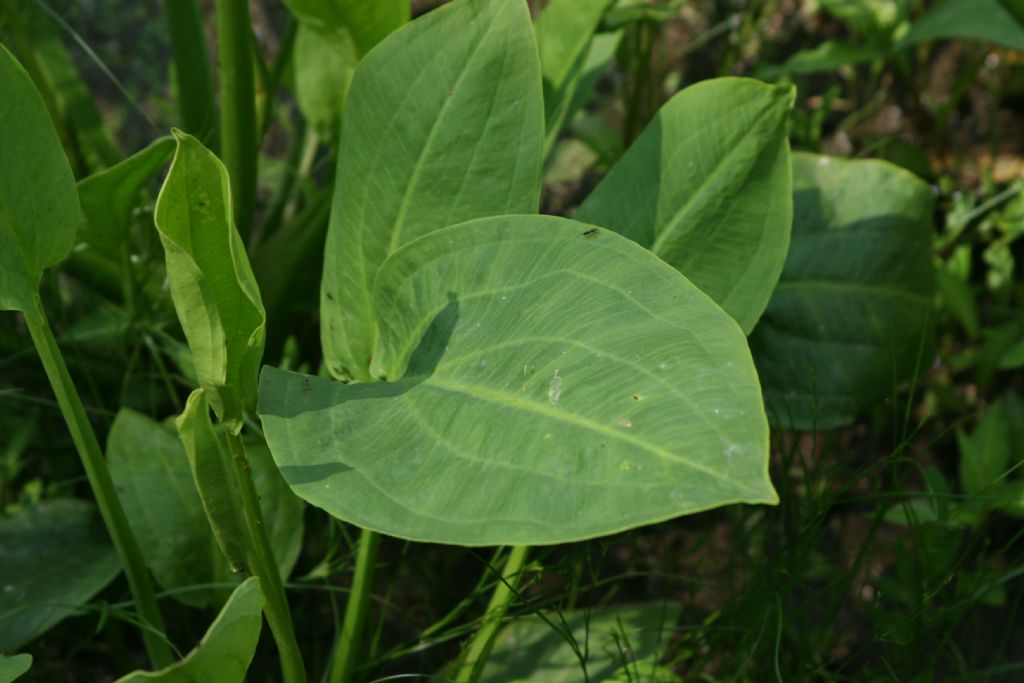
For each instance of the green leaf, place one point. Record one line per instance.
(985, 454)
(109, 197)
(149, 468)
(875, 19)
(323, 71)
(529, 649)
(56, 555)
(828, 56)
(851, 315)
(986, 20)
(444, 123)
(212, 284)
(707, 188)
(565, 31)
(550, 382)
(224, 653)
(214, 479)
(366, 22)
(39, 210)
(154, 476)
(13, 666)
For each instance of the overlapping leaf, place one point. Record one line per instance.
(212, 284)
(444, 123)
(707, 188)
(850, 316)
(548, 381)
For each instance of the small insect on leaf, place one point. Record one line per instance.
(592, 232)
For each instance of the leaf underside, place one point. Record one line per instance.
(550, 382)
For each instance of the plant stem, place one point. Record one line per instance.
(238, 108)
(263, 565)
(96, 471)
(195, 82)
(480, 647)
(351, 637)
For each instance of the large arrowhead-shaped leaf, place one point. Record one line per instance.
(549, 381)
(56, 555)
(707, 188)
(39, 210)
(529, 649)
(212, 284)
(444, 123)
(225, 651)
(850, 316)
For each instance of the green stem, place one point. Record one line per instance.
(348, 648)
(96, 471)
(238, 108)
(263, 565)
(195, 82)
(480, 647)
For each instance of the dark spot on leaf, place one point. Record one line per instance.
(330, 297)
(202, 203)
(590, 233)
(305, 385)
(636, 397)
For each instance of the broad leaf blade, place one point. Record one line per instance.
(224, 654)
(56, 555)
(323, 71)
(212, 284)
(366, 22)
(986, 454)
(850, 317)
(529, 649)
(707, 188)
(444, 123)
(552, 382)
(148, 465)
(39, 210)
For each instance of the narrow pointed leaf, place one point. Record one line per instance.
(39, 211)
(56, 555)
(989, 20)
(212, 284)
(110, 197)
(444, 122)
(565, 30)
(224, 654)
(850, 317)
(214, 478)
(706, 187)
(549, 382)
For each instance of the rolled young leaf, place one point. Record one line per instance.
(850, 317)
(224, 653)
(548, 382)
(34, 234)
(444, 122)
(214, 479)
(212, 284)
(706, 187)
